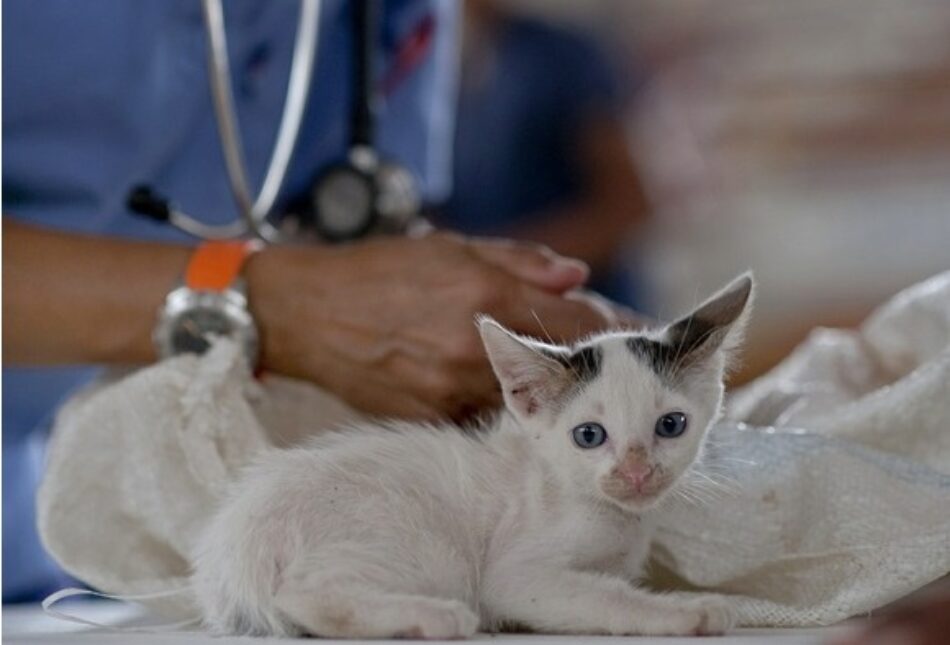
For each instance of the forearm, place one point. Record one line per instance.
(71, 298)
(385, 324)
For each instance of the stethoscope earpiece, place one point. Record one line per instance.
(144, 201)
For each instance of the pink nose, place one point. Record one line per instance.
(636, 474)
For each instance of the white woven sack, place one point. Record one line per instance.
(833, 470)
(138, 462)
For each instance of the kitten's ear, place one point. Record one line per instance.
(717, 324)
(530, 375)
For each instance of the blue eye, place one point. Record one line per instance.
(589, 435)
(671, 425)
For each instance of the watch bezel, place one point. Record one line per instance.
(231, 303)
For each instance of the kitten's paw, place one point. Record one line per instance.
(714, 616)
(439, 620)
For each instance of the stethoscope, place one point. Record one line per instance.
(359, 196)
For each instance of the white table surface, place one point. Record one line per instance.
(27, 624)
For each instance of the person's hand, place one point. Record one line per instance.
(388, 325)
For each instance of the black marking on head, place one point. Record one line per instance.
(686, 342)
(702, 332)
(657, 355)
(583, 364)
(586, 362)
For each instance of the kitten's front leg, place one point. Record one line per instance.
(559, 601)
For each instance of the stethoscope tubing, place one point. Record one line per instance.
(254, 211)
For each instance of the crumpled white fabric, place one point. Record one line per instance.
(137, 464)
(835, 474)
(832, 472)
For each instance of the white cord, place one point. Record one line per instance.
(73, 592)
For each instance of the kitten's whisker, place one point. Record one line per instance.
(689, 497)
(703, 487)
(715, 479)
(544, 329)
(574, 371)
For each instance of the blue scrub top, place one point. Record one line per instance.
(100, 96)
(516, 155)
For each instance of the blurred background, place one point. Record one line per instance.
(675, 143)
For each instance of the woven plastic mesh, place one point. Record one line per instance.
(832, 474)
(824, 493)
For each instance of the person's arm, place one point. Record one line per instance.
(387, 325)
(76, 299)
(612, 204)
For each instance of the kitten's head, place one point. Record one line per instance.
(622, 415)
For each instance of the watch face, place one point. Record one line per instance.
(190, 322)
(193, 330)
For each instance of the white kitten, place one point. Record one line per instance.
(538, 520)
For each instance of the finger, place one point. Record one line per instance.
(618, 315)
(535, 264)
(552, 318)
(595, 301)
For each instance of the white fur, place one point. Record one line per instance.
(428, 531)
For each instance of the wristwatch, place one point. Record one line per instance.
(211, 303)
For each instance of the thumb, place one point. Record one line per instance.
(616, 315)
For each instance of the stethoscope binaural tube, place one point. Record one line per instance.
(358, 196)
(255, 211)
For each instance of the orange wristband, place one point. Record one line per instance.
(215, 265)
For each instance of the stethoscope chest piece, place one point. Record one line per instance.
(359, 197)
